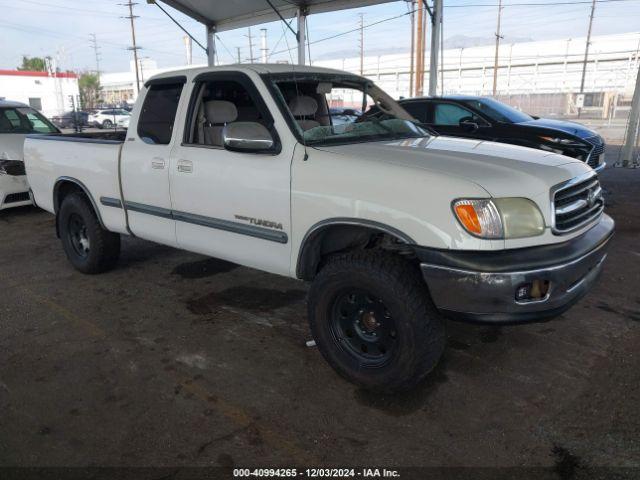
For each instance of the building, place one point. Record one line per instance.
(49, 93)
(542, 78)
(120, 87)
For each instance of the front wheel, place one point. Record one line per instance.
(89, 247)
(374, 322)
(107, 124)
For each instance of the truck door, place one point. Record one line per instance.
(230, 204)
(145, 162)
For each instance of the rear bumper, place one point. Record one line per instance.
(481, 286)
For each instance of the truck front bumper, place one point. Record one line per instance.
(485, 286)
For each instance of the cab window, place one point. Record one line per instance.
(158, 114)
(220, 100)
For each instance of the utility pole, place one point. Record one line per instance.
(361, 43)
(250, 45)
(134, 47)
(238, 50)
(498, 37)
(633, 128)
(586, 50)
(96, 49)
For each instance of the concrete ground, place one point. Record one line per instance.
(174, 359)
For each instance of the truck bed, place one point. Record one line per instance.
(89, 160)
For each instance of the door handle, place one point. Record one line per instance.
(185, 166)
(157, 163)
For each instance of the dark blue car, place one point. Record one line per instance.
(488, 119)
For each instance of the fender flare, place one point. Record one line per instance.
(56, 204)
(318, 228)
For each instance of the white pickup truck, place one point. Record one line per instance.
(395, 227)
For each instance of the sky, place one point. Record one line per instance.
(62, 29)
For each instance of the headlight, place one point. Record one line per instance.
(567, 142)
(499, 218)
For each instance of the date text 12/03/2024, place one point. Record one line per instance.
(316, 473)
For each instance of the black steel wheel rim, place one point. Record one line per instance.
(78, 235)
(363, 326)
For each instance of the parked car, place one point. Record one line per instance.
(395, 228)
(16, 121)
(485, 118)
(70, 119)
(107, 118)
(124, 122)
(340, 116)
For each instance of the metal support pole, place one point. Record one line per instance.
(413, 46)
(302, 34)
(436, 21)
(419, 50)
(211, 45)
(633, 128)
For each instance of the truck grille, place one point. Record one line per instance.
(17, 197)
(577, 203)
(596, 151)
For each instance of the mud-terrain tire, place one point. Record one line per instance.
(90, 248)
(373, 320)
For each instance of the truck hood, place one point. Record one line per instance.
(11, 146)
(571, 128)
(501, 169)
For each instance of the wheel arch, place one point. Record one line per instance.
(67, 185)
(336, 234)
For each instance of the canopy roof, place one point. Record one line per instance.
(230, 14)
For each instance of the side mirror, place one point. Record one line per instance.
(469, 125)
(251, 137)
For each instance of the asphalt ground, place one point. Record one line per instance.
(174, 360)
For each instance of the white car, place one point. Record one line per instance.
(124, 122)
(396, 228)
(16, 121)
(107, 118)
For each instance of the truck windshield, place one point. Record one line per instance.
(328, 109)
(24, 120)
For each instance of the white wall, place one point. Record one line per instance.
(53, 92)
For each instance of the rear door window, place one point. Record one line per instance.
(158, 114)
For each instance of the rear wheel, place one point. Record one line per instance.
(107, 124)
(373, 320)
(89, 247)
